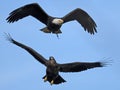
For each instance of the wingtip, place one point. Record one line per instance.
(9, 20)
(106, 62)
(8, 37)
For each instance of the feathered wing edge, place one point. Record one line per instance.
(32, 9)
(80, 66)
(36, 55)
(83, 18)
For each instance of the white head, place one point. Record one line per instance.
(57, 21)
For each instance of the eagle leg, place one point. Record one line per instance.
(45, 30)
(52, 82)
(45, 78)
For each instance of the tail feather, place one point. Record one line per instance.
(57, 80)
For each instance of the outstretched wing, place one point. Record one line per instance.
(83, 18)
(31, 9)
(36, 55)
(79, 66)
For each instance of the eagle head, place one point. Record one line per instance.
(52, 60)
(57, 21)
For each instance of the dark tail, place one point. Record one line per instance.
(56, 80)
(59, 80)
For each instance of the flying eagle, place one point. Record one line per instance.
(53, 24)
(53, 68)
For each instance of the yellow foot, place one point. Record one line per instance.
(52, 82)
(45, 79)
(45, 30)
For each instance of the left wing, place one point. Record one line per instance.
(79, 66)
(35, 54)
(83, 18)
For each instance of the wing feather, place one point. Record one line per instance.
(83, 18)
(30, 9)
(36, 55)
(79, 66)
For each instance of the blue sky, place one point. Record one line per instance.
(20, 71)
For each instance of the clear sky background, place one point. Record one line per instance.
(20, 71)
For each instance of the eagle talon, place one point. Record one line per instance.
(52, 82)
(45, 79)
(45, 30)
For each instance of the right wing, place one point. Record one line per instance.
(31, 9)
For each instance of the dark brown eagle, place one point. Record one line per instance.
(53, 24)
(53, 68)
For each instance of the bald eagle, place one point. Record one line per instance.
(53, 68)
(53, 24)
